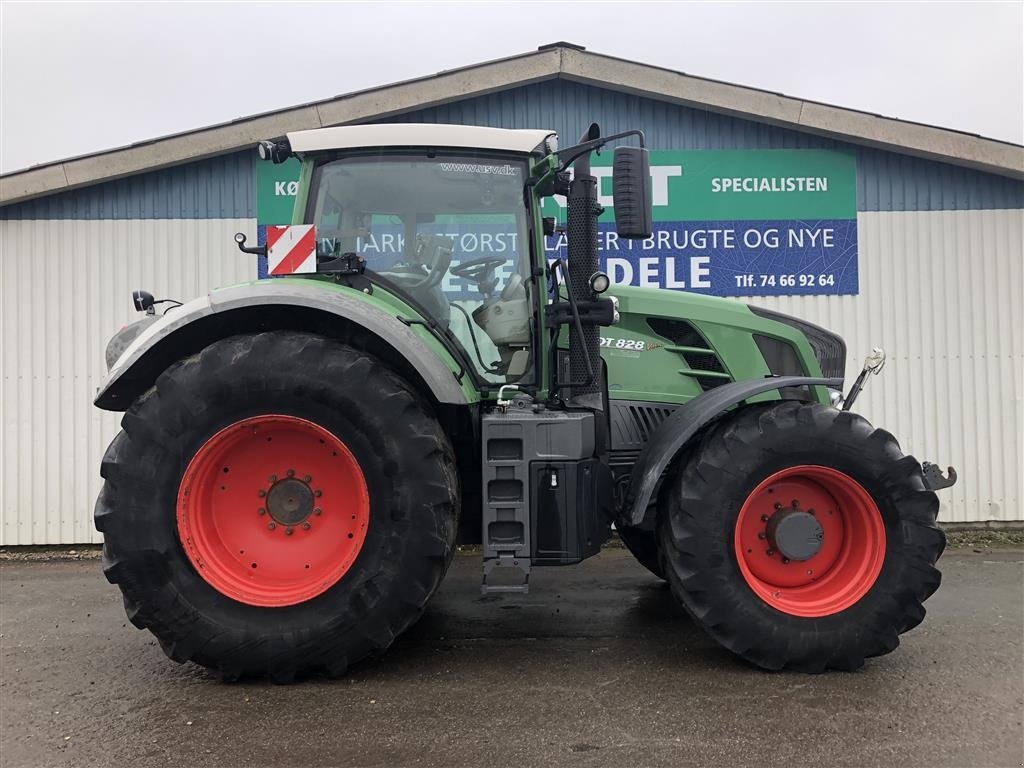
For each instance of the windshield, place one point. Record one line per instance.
(450, 232)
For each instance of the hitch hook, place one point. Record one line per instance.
(934, 478)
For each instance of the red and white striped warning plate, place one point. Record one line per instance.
(291, 250)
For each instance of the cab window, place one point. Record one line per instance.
(450, 234)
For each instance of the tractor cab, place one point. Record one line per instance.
(450, 221)
(447, 231)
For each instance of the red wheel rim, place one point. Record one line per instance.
(847, 560)
(273, 510)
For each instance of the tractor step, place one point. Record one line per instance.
(515, 576)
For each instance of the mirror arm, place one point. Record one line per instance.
(572, 153)
(257, 250)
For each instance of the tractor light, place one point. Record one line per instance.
(599, 282)
(275, 151)
(143, 301)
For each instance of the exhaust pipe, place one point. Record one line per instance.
(581, 231)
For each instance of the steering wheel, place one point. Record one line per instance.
(432, 253)
(481, 271)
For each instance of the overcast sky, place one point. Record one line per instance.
(77, 78)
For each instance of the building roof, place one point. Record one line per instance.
(558, 60)
(417, 135)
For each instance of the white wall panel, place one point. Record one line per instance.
(941, 291)
(65, 288)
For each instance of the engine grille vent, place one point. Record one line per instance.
(703, 361)
(633, 423)
(828, 348)
(678, 332)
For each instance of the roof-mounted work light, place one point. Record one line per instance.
(275, 151)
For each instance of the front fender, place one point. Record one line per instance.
(683, 423)
(144, 358)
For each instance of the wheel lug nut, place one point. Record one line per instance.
(318, 494)
(271, 526)
(785, 561)
(810, 511)
(795, 504)
(289, 531)
(305, 526)
(764, 518)
(273, 478)
(770, 552)
(261, 493)
(762, 535)
(291, 473)
(778, 506)
(318, 511)
(261, 511)
(307, 478)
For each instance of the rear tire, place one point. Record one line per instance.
(854, 595)
(158, 531)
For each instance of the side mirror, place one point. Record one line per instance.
(631, 192)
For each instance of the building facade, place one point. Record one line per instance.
(940, 257)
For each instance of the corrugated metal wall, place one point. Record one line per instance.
(222, 187)
(65, 288)
(215, 188)
(947, 310)
(941, 257)
(886, 181)
(941, 293)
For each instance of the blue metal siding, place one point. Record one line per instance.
(217, 188)
(887, 181)
(223, 187)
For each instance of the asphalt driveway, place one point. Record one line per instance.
(595, 667)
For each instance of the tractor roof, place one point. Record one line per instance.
(418, 135)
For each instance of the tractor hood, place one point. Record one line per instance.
(670, 346)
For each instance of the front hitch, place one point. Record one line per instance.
(934, 478)
(873, 364)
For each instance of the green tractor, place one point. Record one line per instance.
(300, 456)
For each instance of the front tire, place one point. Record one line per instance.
(277, 504)
(842, 577)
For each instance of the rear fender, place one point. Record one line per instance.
(683, 424)
(194, 325)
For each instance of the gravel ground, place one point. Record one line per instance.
(596, 667)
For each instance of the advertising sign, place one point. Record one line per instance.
(726, 222)
(276, 187)
(737, 223)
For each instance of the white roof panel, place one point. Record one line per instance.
(416, 135)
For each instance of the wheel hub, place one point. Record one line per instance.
(256, 525)
(809, 540)
(290, 502)
(796, 534)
